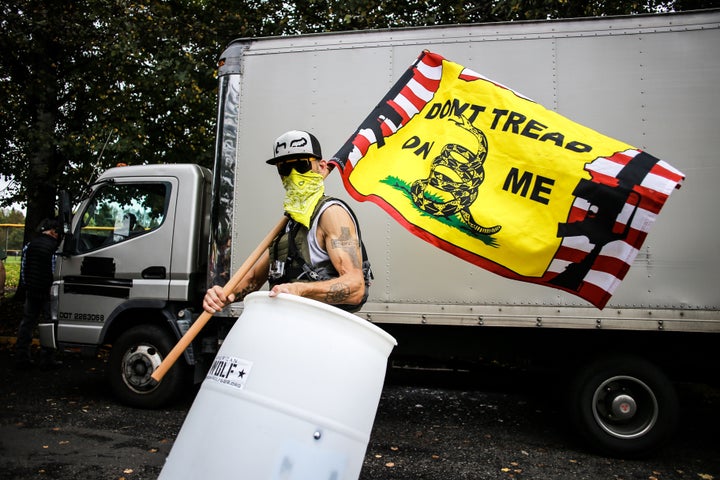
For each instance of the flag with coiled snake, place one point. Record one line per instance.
(498, 180)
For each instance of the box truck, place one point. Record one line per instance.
(147, 241)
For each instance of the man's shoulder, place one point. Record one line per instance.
(337, 215)
(327, 204)
(328, 200)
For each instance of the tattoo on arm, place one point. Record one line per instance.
(338, 293)
(349, 244)
(251, 287)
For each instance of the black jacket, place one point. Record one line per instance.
(38, 263)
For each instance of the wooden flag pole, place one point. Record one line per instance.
(229, 288)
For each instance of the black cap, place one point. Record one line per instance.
(295, 144)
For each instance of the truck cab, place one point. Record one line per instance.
(115, 287)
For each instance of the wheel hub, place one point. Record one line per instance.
(623, 407)
(138, 365)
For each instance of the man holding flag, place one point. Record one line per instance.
(319, 255)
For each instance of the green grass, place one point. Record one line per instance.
(12, 272)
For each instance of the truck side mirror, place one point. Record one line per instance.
(65, 216)
(68, 246)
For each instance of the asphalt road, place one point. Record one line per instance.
(64, 425)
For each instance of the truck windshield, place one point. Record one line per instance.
(120, 211)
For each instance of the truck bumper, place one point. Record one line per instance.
(47, 335)
(48, 331)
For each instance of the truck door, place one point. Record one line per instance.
(123, 241)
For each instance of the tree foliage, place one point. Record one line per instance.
(91, 83)
(550, 9)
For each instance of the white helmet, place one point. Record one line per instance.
(295, 144)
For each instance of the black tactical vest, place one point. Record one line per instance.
(290, 249)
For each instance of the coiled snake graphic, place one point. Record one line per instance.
(468, 166)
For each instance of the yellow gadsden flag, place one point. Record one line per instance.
(494, 178)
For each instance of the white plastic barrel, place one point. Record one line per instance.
(292, 394)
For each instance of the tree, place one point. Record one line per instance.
(92, 83)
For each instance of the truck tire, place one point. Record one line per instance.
(134, 357)
(624, 406)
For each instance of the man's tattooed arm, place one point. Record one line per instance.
(249, 288)
(338, 293)
(349, 244)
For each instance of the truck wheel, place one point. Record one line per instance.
(134, 357)
(624, 405)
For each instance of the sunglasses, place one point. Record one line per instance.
(300, 165)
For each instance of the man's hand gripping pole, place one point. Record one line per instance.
(229, 288)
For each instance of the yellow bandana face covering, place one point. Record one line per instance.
(302, 193)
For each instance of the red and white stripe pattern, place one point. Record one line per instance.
(616, 257)
(409, 101)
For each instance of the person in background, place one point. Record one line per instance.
(320, 254)
(38, 267)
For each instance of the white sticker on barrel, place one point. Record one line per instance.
(230, 371)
